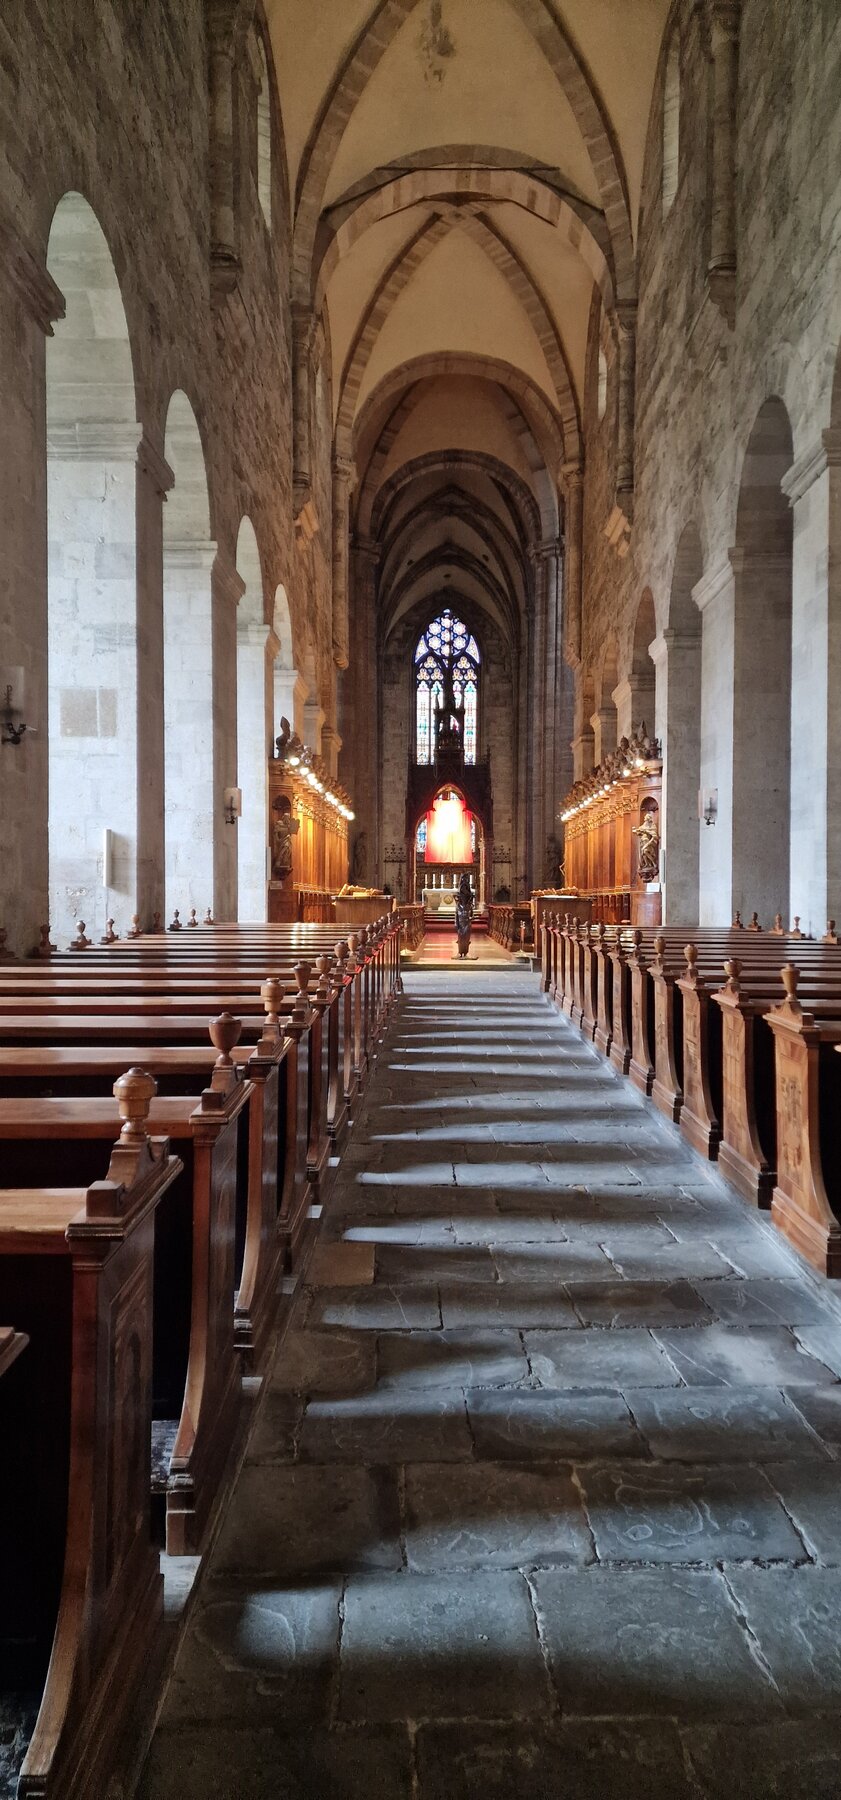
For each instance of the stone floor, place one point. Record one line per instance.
(543, 1501)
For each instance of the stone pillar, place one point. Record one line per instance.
(228, 589)
(224, 232)
(192, 820)
(724, 25)
(314, 717)
(331, 745)
(302, 336)
(677, 723)
(714, 596)
(343, 467)
(761, 732)
(29, 302)
(154, 480)
(634, 702)
(603, 739)
(290, 693)
(626, 322)
(813, 485)
(573, 524)
(256, 649)
(549, 727)
(583, 755)
(361, 722)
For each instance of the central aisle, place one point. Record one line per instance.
(543, 1499)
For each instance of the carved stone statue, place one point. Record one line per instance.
(647, 833)
(464, 914)
(359, 859)
(284, 828)
(553, 862)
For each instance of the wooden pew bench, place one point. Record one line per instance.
(197, 1371)
(82, 1594)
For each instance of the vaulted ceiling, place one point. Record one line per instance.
(466, 176)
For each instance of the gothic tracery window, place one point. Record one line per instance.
(446, 641)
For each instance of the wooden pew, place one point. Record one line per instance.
(79, 1572)
(807, 1094)
(11, 1344)
(198, 1373)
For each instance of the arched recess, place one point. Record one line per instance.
(92, 441)
(288, 687)
(635, 697)
(678, 725)
(603, 719)
(254, 727)
(188, 555)
(762, 565)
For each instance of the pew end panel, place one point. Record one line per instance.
(83, 1274)
(807, 1090)
(701, 1111)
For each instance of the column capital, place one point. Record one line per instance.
(227, 579)
(96, 440)
(29, 278)
(153, 464)
(343, 466)
(823, 454)
(713, 582)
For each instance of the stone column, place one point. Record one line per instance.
(224, 233)
(343, 468)
(228, 589)
(677, 723)
(256, 649)
(361, 720)
(154, 480)
(302, 336)
(192, 820)
(29, 302)
(331, 745)
(813, 485)
(550, 727)
(634, 702)
(724, 25)
(761, 731)
(583, 755)
(314, 717)
(626, 323)
(714, 596)
(573, 524)
(603, 739)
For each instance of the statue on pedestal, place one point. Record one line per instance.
(647, 833)
(284, 828)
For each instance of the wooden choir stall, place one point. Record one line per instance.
(612, 835)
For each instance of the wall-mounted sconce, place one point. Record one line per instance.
(12, 725)
(708, 805)
(233, 805)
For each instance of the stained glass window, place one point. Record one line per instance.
(446, 641)
(422, 836)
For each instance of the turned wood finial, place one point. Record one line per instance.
(44, 947)
(777, 929)
(637, 940)
(831, 934)
(795, 931)
(341, 951)
(224, 1033)
(302, 972)
(208, 918)
(690, 951)
(733, 970)
(324, 964)
(135, 931)
(790, 976)
(156, 922)
(111, 936)
(80, 941)
(659, 946)
(754, 923)
(737, 922)
(176, 922)
(192, 922)
(271, 994)
(134, 1093)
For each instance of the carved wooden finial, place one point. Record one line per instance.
(208, 918)
(733, 970)
(659, 948)
(690, 951)
(831, 936)
(271, 994)
(156, 923)
(134, 1093)
(192, 922)
(790, 977)
(224, 1033)
(324, 964)
(44, 946)
(135, 931)
(341, 951)
(176, 921)
(795, 931)
(777, 929)
(737, 922)
(754, 923)
(111, 936)
(80, 941)
(302, 972)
